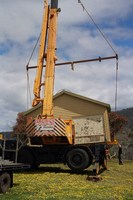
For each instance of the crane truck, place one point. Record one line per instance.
(74, 142)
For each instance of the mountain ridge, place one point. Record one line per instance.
(128, 113)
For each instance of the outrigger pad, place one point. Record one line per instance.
(94, 178)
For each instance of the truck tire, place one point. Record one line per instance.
(77, 159)
(5, 182)
(90, 160)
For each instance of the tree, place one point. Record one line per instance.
(117, 123)
(20, 126)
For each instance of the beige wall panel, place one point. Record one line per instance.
(73, 106)
(67, 107)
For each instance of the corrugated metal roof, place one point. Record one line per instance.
(58, 94)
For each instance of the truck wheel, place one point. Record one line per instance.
(77, 159)
(90, 160)
(5, 182)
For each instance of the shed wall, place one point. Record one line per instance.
(67, 107)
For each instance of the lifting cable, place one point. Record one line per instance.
(116, 85)
(105, 38)
(27, 67)
(98, 28)
(28, 91)
(33, 51)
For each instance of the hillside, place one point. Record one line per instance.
(125, 137)
(128, 113)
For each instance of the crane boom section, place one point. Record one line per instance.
(41, 54)
(50, 66)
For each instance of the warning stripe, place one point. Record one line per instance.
(30, 128)
(36, 128)
(59, 127)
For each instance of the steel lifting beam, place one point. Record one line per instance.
(79, 61)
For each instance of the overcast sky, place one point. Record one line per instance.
(77, 39)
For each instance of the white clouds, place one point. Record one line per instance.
(95, 80)
(109, 10)
(18, 20)
(20, 24)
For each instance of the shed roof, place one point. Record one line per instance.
(58, 94)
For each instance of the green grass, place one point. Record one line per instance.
(57, 182)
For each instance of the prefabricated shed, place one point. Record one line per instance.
(68, 105)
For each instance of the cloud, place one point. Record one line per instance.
(19, 20)
(77, 38)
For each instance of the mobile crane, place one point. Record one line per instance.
(60, 140)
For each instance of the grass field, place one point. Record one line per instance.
(57, 182)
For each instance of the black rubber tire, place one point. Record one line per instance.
(5, 182)
(90, 160)
(77, 159)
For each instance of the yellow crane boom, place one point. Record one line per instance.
(50, 63)
(42, 49)
(47, 51)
